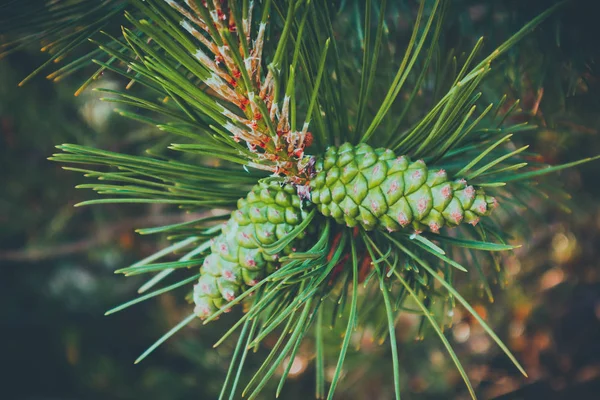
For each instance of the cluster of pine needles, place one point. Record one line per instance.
(331, 71)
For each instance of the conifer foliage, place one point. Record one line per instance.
(314, 120)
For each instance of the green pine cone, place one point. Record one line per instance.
(237, 262)
(359, 185)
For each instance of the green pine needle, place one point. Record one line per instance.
(165, 337)
(247, 92)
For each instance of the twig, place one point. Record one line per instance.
(102, 235)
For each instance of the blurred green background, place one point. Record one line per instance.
(57, 261)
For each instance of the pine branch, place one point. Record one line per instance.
(235, 80)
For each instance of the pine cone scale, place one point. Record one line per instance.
(268, 213)
(359, 185)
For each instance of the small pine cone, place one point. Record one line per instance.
(359, 185)
(237, 262)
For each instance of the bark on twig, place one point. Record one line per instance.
(102, 235)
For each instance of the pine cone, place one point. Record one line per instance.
(237, 261)
(357, 185)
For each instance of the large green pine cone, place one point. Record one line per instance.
(237, 262)
(373, 188)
